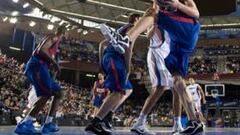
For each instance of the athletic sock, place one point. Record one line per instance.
(49, 119)
(142, 118)
(177, 121)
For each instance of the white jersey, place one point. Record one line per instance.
(159, 74)
(155, 40)
(192, 89)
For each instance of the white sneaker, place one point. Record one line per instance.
(36, 125)
(18, 119)
(118, 41)
(141, 129)
(177, 129)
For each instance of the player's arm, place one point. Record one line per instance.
(44, 54)
(101, 49)
(189, 7)
(200, 90)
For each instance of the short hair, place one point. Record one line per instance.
(61, 30)
(132, 18)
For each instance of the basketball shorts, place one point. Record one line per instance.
(38, 74)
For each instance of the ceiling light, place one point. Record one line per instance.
(13, 20)
(79, 30)
(15, 1)
(54, 19)
(50, 26)
(61, 23)
(32, 24)
(68, 25)
(36, 11)
(14, 13)
(85, 32)
(26, 5)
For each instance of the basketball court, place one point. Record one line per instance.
(8, 130)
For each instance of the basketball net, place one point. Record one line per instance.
(214, 95)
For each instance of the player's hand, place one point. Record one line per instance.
(173, 3)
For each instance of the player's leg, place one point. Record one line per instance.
(159, 77)
(31, 100)
(140, 126)
(26, 126)
(117, 83)
(49, 125)
(108, 117)
(177, 110)
(38, 76)
(145, 22)
(180, 87)
(97, 125)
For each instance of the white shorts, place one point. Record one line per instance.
(159, 74)
(197, 105)
(32, 97)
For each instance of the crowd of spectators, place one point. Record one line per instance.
(233, 64)
(73, 49)
(222, 50)
(12, 83)
(202, 65)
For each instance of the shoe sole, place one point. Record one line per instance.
(105, 30)
(200, 133)
(27, 133)
(141, 133)
(24, 133)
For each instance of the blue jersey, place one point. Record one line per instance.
(114, 67)
(183, 32)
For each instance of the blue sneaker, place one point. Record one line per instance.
(50, 127)
(26, 128)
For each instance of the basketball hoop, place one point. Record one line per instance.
(214, 95)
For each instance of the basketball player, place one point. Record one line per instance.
(116, 66)
(38, 72)
(161, 78)
(197, 94)
(183, 28)
(99, 93)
